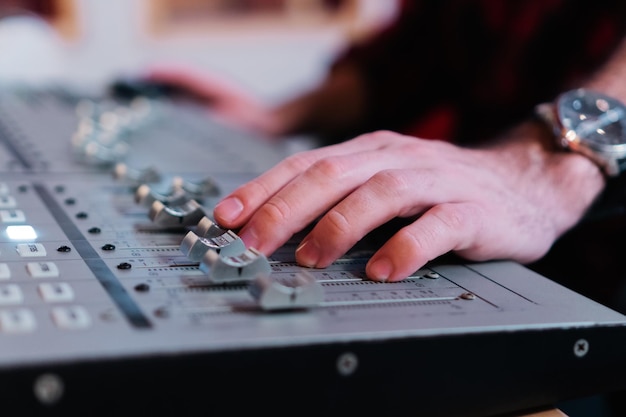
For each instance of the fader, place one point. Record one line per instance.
(119, 294)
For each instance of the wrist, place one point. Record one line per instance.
(564, 184)
(590, 123)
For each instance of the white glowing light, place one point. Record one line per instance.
(21, 233)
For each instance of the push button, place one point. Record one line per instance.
(10, 294)
(56, 292)
(71, 317)
(6, 201)
(42, 269)
(5, 272)
(30, 250)
(17, 321)
(12, 216)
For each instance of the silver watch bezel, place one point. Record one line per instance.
(610, 157)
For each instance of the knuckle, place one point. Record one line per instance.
(453, 217)
(256, 188)
(378, 136)
(412, 243)
(336, 224)
(276, 211)
(331, 168)
(298, 161)
(449, 219)
(459, 224)
(393, 181)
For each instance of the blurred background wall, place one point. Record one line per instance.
(272, 47)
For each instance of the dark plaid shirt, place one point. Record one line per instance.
(463, 70)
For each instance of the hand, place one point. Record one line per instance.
(482, 204)
(226, 101)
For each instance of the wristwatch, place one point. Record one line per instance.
(590, 123)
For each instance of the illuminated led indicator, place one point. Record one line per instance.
(21, 233)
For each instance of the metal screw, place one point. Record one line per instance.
(48, 388)
(347, 363)
(581, 348)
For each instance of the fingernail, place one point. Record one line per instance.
(229, 209)
(380, 269)
(308, 253)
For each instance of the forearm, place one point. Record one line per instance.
(565, 183)
(333, 107)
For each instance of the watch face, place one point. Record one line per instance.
(595, 119)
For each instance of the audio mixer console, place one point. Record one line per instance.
(119, 294)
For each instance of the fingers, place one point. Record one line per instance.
(310, 193)
(238, 207)
(354, 187)
(376, 201)
(443, 228)
(390, 194)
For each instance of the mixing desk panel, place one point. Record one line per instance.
(115, 283)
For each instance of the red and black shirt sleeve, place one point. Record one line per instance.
(463, 70)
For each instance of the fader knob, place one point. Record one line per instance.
(146, 196)
(299, 291)
(121, 171)
(226, 244)
(186, 214)
(237, 268)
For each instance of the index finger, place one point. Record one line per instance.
(238, 207)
